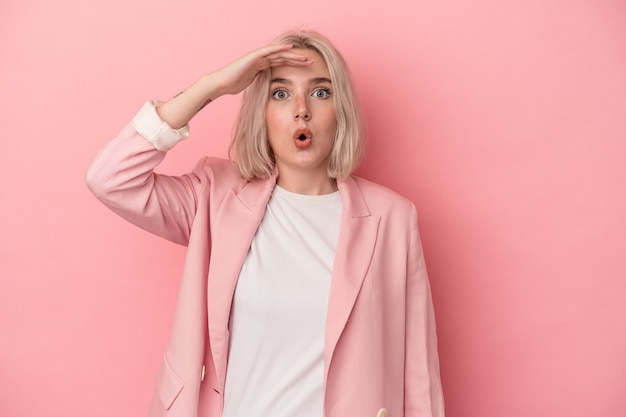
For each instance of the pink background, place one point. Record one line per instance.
(505, 122)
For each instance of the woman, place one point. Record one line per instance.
(304, 291)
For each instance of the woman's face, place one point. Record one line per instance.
(300, 116)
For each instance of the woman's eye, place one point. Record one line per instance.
(279, 95)
(321, 93)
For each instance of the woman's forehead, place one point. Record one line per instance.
(318, 69)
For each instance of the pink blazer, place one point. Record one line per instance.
(380, 348)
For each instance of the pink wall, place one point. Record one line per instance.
(504, 121)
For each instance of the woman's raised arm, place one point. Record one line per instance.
(231, 79)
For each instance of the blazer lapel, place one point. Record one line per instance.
(357, 238)
(238, 220)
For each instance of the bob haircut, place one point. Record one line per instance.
(253, 155)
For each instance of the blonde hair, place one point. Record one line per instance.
(253, 155)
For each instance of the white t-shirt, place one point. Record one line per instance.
(276, 358)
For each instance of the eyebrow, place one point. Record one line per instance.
(314, 81)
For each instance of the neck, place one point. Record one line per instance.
(306, 183)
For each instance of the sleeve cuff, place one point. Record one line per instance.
(149, 125)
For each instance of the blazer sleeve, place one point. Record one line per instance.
(423, 393)
(122, 177)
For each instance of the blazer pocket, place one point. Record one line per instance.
(169, 385)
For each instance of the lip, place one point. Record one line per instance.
(302, 134)
(302, 138)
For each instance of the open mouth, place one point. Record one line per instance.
(302, 138)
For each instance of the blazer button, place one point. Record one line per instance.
(382, 413)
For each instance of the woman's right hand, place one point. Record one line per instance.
(231, 79)
(239, 74)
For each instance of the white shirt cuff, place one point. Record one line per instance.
(156, 131)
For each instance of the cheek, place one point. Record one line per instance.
(330, 120)
(273, 119)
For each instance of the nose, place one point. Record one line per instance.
(302, 111)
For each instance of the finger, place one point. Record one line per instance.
(268, 50)
(285, 62)
(273, 52)
(294, 56)
(289, 59)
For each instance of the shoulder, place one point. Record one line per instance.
(218, 169)
(220, 177)
(381, 201)
(379, 196)
(398, 215)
